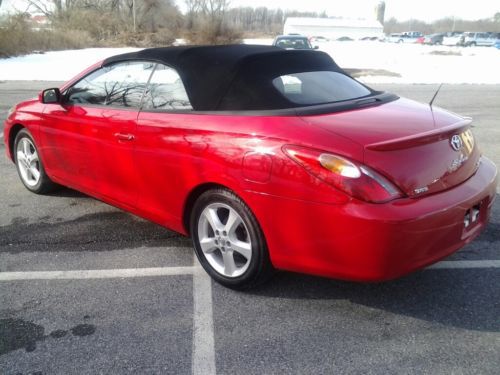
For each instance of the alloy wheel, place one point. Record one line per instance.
(224, 240)
(28, 162)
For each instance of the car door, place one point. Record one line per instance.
(164, 135)
(64, 144)
(90, 138)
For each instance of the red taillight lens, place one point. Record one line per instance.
(352, 178)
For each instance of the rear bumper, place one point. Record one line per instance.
(374, 242)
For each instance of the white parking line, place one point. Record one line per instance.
(454, 264)
(96, 274)
(203, 360)
(202, 280)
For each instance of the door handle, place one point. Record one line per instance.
(124, 137)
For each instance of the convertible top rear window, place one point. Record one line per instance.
(310, 88)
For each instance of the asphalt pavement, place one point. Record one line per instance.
(86, 288)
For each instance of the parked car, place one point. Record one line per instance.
(454, 38)
(321, 39)
(413, 34)
(344, 39)
(495, 37)
(433, 39)
(267, 158)
(293, 42)
(407, 37)
(395, 38)
(479, 39)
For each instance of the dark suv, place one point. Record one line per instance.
(293, 42)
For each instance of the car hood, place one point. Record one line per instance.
(408, 142)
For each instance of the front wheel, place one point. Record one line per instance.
(29, 165)
(228, 240)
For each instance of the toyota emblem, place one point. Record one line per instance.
(456, 142)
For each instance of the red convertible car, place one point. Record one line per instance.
(268, 158)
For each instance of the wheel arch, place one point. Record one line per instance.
(263, 267)
(14, 130)
(193, 195)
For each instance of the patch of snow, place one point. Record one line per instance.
(262, 41)
(416, 63)
(412, 63)
(56, 65)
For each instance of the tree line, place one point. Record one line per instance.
(443, 25)
(147, 23)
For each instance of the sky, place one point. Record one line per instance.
(425, 10)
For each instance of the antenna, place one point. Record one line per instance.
(434, 97)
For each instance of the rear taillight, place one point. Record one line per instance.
(352, 178)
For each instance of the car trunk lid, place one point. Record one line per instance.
(423, 150)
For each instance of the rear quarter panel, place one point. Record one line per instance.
(176, 153)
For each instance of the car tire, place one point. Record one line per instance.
(29, 164)
(228, 240)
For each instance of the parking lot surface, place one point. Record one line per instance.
(86, 288)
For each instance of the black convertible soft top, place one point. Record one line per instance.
(234, 77)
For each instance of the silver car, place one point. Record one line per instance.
(479, 39)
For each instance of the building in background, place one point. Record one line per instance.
(334, 28)
(11, 7)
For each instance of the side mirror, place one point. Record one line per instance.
(316, 47)
(51, 96)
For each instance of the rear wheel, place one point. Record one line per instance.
(29, 165)
(228, 240)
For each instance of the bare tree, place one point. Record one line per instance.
(215, 9)
(206, 22)
(41, 6)
(54, 7)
